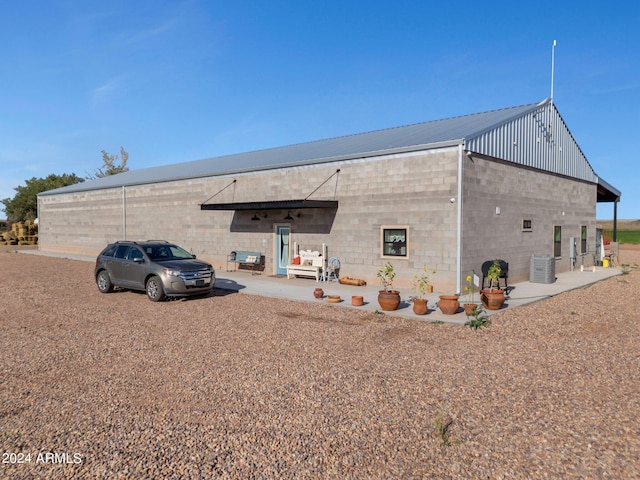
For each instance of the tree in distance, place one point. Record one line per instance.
(24, 205)
(110, 166)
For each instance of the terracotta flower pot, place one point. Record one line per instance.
(449, 304)
(389, 300)
(420, 306)
(357, 300)
(470, 308)
(492, 300)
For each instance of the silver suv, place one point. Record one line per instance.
(160, 268)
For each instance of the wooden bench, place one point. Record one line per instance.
(311, 265)
(249, 259)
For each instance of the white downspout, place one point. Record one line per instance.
(459, 239)
(124, 214)
(38, 213)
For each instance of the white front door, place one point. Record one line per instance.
(283, 235)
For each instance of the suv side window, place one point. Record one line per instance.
(121, 251)
(134, 253)
(109, 251)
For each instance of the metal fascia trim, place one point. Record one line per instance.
(271, 205)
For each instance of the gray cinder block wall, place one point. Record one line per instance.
(498, 196)
(412, 190)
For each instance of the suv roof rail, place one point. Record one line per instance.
(142, 241)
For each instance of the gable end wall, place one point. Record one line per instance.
(546, 199)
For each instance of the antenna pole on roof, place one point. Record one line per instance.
(553, 52)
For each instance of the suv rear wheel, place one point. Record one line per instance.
(104, 282)
(155, 292)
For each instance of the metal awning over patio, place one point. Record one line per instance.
(271, 205)
(606, 192)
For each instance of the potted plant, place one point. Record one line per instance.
(421, 286)
(493, 298)
(471, 306)
(388, 298)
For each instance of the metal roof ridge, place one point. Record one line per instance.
(387, 129)
(533, 107)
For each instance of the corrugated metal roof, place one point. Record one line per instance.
(539, 139)
(392, 140)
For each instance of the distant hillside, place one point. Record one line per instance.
(622, 224)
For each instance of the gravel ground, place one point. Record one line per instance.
(242, 386)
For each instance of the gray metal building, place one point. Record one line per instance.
(447, 194)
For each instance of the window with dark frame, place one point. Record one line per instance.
(527, 225)
(583, 239)
(557, 241)
(394, 242)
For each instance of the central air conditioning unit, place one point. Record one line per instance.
(543, 269)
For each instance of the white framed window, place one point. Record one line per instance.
(394, 241)
(527, 225)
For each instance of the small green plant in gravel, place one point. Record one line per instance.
(478, 319)
(443, 428)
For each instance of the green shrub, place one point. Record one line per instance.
(478, 319)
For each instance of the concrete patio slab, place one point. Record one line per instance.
(302, 289)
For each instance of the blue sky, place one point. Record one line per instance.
(184, 80)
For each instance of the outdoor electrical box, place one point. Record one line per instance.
(573, 252)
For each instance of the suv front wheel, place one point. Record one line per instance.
(104, 282)
(155, 292)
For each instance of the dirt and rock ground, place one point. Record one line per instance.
(242, 386)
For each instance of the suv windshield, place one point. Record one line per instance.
(160, 253)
